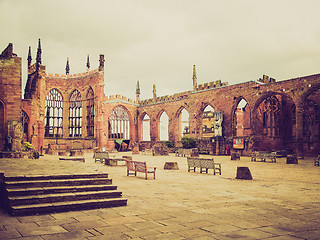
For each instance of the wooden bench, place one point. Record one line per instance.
(147, 151)
(316, 160)
(263, 156)
(192, 152)
(73, 159)
(204, 164)
(179, 152)
(101, 156)
(135, 167)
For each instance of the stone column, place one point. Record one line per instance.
(299, 130)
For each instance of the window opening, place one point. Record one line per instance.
(208, 122)
(146, 128)
(25, 125)
(185, 125)
(270, 113)
(163, 126)
(119, 123)
(90, 113)
(75, 114)
(53, 118)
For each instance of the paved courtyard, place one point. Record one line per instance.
(281, 202)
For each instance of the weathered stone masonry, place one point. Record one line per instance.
(277, 115)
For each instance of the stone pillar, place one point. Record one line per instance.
(299, 131)
(154, 130)
(172, 128)
(15, 130)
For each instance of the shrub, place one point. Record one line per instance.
(188, 142)
(169, 144)
(27, 146)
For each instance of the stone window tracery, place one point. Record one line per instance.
(90, 113)
(53, 117)
(119, 123)
(311, 121)
(270, 114)
(75, 114)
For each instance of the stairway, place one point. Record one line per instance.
(29, 195)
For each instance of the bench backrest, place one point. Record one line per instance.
(140, 166)
(101, 155)
(207, 163)
(136, 166)
(200, 162)
(265, 154)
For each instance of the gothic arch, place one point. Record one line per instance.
(163, 125)
(25, 125)
(90, 112)
(272, 118)
(241, 117)
(119, 122)
(182, 118)
(207, 120)
(309, 107)
(75, 114)
(53, 113)
(145, 127)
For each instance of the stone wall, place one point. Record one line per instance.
(10, 94)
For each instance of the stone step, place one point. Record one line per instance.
(62, 197)
(57, 189)
(29, 195)
(67, 206)
(61, 176)
(57, 182)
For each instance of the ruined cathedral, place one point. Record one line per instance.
(59, 113)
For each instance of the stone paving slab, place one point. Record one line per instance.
(281, 202)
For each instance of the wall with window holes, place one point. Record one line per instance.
(277, 115)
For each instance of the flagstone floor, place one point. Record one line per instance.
(280, 203)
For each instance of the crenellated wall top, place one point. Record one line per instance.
(119, 98)
(77, 75)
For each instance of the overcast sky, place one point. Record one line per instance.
(159, 41)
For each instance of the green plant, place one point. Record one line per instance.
(27, 146)
(169, 144)
(188, 142)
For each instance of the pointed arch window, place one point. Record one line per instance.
(53, 118)
(25, 125)
(90, 113)
(146, 128)
(271, 117)
(119, 123)
(75, 114)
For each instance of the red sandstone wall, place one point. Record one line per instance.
(10, 93)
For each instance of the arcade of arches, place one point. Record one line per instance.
(63, 112)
